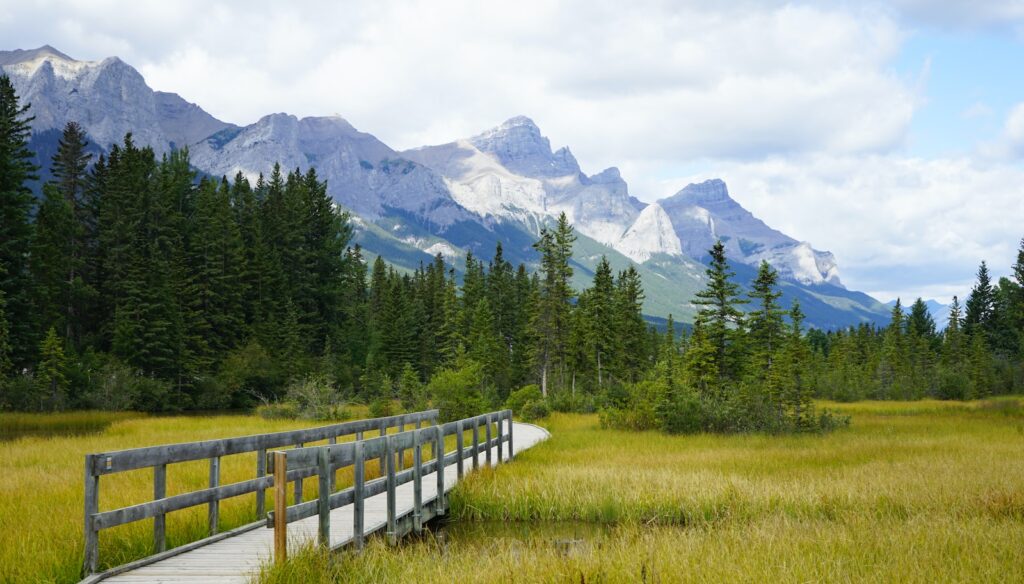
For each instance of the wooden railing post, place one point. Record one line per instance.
(332, 441)
(383, 429)
(458, 448)
(298, 483)
(389, 461)
(511, 450)
(280, 507)
(500, 426)
(489, 438)
(401, 451)
(159, 521)
(261, 495)
(324, 494)
(92, 505)
(214, 508)
(358, 477)
(439, 455)
(476, 443)
(417, 484)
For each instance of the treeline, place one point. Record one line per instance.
(134, 283)
(980, 352)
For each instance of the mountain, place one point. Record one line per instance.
(504, 184)
(938, 311)
(705, 212)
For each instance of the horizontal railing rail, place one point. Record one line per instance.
(326, 460)
(159, 457)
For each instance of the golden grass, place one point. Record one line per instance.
(911, 492)
(41, 492)
(17, 424)
(917, 491)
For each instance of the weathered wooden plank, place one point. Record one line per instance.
(358, 509)
(417, 487)
(488, 451)
(92, 505)
(476, 441)
(391, 502)
(324, 496)
(135, 458)
(261, 470)
(281, 507)
(298, 481)
(458, 448)
(214, 505)
(159, 520)
(439, 468)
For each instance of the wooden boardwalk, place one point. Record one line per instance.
(238, 556)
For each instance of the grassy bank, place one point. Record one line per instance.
(17, 424)
(41, 489)
(918, 492)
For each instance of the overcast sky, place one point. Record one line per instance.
(888, 133)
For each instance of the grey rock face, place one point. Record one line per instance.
(704, 212)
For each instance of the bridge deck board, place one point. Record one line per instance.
(239, 558)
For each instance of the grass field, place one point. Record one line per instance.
(917, 492)
(911, 492)
(41, 486)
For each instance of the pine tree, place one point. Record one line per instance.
(598, 314)
(552, 317)
(980, 306)
(719, 312)
(16, 203)
(6, 366)
(50, 373)
(798, 394)
(630, 328)
(764, 321)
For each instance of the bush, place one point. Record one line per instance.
(278, 411)
(681, 413)
(382, 408)
(518, 399)
(456, 391)
(536, 410)
(122, 388)
(249, 375)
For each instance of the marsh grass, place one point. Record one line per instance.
(41, 491)
(16, 424)
(912, 492)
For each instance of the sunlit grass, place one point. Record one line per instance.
(17, 424)
(918, 492)
(41, 491)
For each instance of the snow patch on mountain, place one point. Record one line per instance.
(652, 233)
(703, 213)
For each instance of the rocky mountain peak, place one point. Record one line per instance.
(709, 192)
(519, 145)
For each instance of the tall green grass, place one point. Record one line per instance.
(911, 492)
(16, 424)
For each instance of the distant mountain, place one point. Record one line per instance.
(503, 184)
(938, 310)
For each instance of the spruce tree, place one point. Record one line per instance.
(719, 314)
(51, 378)
(16, 204)
(631, 337)
(764, 321)
(980, 305)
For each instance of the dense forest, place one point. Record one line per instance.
(135, 283)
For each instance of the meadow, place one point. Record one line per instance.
(912, 491)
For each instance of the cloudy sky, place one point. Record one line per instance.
(891, 134)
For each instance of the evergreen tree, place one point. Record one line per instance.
(630, 329)
(50, 373)
(16, 203)
(764, 321)
(552, 316)
(719, 314)
(980, 306)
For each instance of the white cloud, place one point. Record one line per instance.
(654, 79)
(900, 226)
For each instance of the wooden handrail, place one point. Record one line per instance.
(158, 457)
(326, 460)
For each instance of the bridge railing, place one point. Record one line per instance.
(158, 457)
(324, 461)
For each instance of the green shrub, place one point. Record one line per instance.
(518, 399)
(278, 411)
(536, 410)
(456, 391)
(382, 408)
(249, 375)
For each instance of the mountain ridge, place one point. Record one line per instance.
(505, 183)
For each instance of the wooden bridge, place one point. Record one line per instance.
(408, 490)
